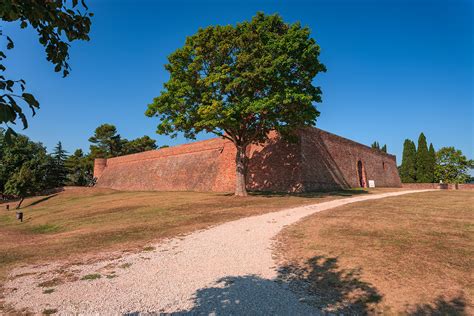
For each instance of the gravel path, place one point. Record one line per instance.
(227, 269)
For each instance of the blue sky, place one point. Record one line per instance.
(395, 68)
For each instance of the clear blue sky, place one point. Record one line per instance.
(395, 68)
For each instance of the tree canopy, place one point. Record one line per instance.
(80, 169)
(107, 143)
(24, 166)
(452, 166)
(57, 22)
(240, 82)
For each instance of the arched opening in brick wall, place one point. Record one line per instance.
(361, 174)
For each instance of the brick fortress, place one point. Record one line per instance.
(318, 161)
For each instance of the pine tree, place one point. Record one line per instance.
(408, 167)
(423, 161)
(432, 155)
(58, 169)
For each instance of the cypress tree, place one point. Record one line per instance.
(384, 148)
(423, 161)
(432, 155)
(408, 169)
(58, 169)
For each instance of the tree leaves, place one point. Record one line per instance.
(56, 25)
(10, 44)
(452, 166)
(107, 143)
(241, 81)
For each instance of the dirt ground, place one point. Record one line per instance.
(412, 254)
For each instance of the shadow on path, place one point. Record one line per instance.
(319, 287)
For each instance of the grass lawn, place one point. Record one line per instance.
(412, 254)
(82, 221)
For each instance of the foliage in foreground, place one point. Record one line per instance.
(57, 23)
(240, 82)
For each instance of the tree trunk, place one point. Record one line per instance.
(240, 171)
(19, 204)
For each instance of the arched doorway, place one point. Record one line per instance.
(361, 174)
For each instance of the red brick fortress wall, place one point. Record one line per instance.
(199, 166)
(330, 161)
(274, 166)
(318, 161)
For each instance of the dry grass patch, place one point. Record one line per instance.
(84, 221)
(411, 254)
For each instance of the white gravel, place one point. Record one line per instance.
(226, 269)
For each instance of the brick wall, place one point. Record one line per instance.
(199, 166)
(440, 186)
(320, 160)
(330, 161)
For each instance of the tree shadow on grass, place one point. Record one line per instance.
(41, 200)
(331, 289)
(316, 194)
(441, 306)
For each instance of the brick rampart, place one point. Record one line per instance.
(319, 160)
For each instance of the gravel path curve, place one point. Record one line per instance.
(226, 269)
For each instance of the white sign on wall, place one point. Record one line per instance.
(371, 184)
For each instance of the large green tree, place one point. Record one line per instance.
(15, 153)
(240, 82)
(24, 166)
(57, 22)
(408, 167)
(29, 179)
(423, 161)
(452, 166)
